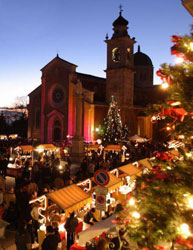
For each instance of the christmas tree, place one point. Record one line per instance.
(114, 131)
(159, 210)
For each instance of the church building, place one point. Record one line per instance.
(129, 78)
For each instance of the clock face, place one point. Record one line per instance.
(57, 95)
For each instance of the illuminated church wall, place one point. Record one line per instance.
(55, 97)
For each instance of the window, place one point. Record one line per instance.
(116, 55)
(128, 53)
(37, 119)
(57, 95)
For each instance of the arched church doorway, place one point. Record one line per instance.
(57, 130)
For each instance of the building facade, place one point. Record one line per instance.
(129, 78)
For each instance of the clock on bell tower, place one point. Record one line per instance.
(120, 67)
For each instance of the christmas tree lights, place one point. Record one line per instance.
(114, 131)
(162, 215)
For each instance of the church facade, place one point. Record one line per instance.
(129, 78)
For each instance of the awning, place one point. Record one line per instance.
(145, 162)
(92, 147)
(130, 170)
(25, 148)
(70, 198)
(46, 147)
(114, 182)
(113, 148)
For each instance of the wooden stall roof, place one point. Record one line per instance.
(114, 182)
(145, 162)
(46, 147)
(92, 147)
(26, 148)
(130, 170)
(113, 148)
(70, 198)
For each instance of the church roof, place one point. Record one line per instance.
(141, 59)
(120, 21)
(35, 91)
(98, 78)
(57, 58)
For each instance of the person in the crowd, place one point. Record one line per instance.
(54, 224)
(35, 218)
(118, 207)
(23, 237)
(10, 215)
(70, 226)
(102, 244)
(1, 197)
(9, 197)
(22, 203)
(51, 240)
(89, 217)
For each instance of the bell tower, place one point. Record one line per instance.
(120, 65)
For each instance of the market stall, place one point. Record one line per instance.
(71, 198)
(49, 147)
(90, 147)
(113, 148)
(111, 187)
(45, 150)
(130, 170)
(129, 173)
(68, 199)
(144, 164)
(17, 156)
(24, 149)
(21, 152)
(113, 183)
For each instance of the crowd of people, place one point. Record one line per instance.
(45, 176)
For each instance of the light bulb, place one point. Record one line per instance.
(188, 155)
(136, 215)
(179, 60)
(191, 45)
(131, 201)
(185, 230)
(164, 85)
(190, 202)
(181, 137)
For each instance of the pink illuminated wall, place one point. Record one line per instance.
(71, 111)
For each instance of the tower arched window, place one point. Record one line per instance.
(128, 53)
(116, 55)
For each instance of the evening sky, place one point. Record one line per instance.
(32, 32)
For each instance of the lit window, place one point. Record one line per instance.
(116, 55)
